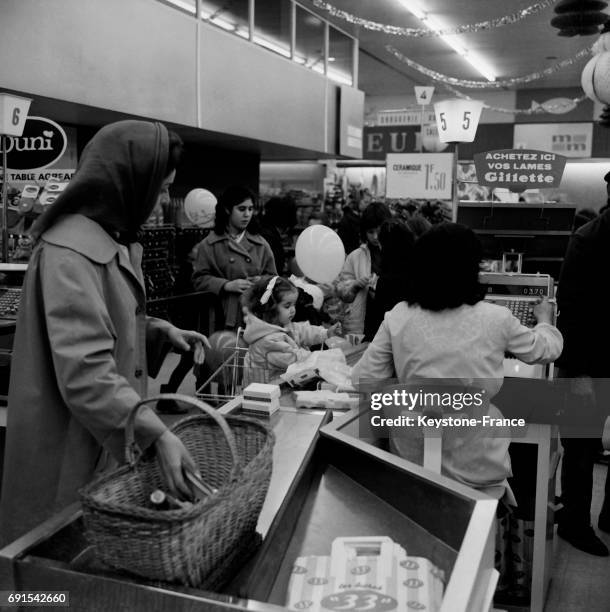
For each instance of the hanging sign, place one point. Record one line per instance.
(419, 175)
(519, 169)
(423, 95)
(430, 138)
(569, 139)
(13, 113)
(41, 144)
(457, 120)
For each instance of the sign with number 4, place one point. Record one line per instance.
(13, 113)
(423, 95)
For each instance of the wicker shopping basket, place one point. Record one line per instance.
(233, 454)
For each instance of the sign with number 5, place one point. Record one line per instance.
(13, 113)
(457, 120)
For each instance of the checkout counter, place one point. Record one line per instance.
(325, 484)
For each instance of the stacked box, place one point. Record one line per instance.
(369, 573)
(261, 398)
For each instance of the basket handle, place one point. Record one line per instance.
(131, 448)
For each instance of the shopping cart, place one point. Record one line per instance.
(234, 373)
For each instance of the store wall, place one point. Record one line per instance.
(140, 57)
(215, 169)
(583, 183)
(250, 91)
(135, 57)
(499, 99)
(277, 177)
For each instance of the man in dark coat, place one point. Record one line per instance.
(583, 296)
(279, 218)
(349, 226)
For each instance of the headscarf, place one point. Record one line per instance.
(117, 181)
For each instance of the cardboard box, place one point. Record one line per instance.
(369, 573)
(261, 398)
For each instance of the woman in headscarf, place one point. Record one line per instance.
(80, 352)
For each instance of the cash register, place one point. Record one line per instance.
(519, 293)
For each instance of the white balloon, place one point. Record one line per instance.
(586, 79)
(200, 207)
(320, 253)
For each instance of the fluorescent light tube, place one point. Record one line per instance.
(432, 23)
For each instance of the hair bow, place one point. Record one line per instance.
(265, 297)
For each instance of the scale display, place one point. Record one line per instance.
(521, 290)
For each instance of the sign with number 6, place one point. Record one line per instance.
(13, 113)
(457, 120)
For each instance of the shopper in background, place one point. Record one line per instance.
(79, 363)
(397, 242)
(418, 224)
(583, 297)
(447, 331)
(405, 209)
(279, 218)
(349, 226)
(356, 284)
(231, 258)
(317, 218)
(582, 216)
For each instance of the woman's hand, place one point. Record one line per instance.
(327, 289)
(543, 311)
(335, 330)
(173, 458)
(185, 340)
(363, 282)
(239, 285)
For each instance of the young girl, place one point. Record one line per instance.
(270, 303)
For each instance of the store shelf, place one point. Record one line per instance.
(526, 205)
(521, 233)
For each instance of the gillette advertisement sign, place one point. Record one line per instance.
(519, 169)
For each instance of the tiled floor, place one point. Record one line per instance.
(580, 582)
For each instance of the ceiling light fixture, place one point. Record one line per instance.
(432, 23)
(190, 8)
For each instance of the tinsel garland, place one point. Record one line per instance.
(489, 24)
(527, 78)
(511, 111)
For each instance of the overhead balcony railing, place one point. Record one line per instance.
(284, 27)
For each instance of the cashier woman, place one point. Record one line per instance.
(447, 331)
(83, 338)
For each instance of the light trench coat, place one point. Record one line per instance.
(79, 365)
